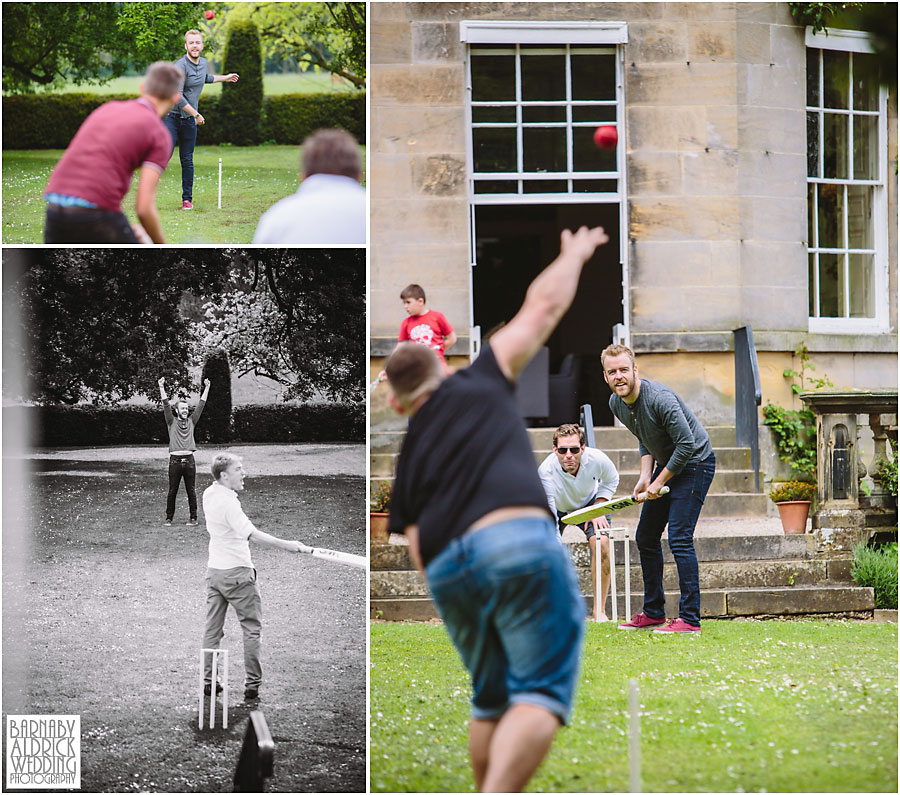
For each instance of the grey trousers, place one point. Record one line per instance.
(236, 587)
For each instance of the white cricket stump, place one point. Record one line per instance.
(214, 654)
(634, 738)
(613, 590)
(220, 186)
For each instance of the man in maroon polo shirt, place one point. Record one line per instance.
(85, 190)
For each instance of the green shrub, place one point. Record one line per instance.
(77, 426)
(216, 421)
(49, 121)
(876, 567)
(793, 490)
(290, 118)
(886, 471)
(241, 106)
(330, 422)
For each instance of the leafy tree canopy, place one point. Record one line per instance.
(47, 44)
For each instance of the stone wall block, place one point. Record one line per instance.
(773, 265)
(771, 174)
(440, 175)
(389, 176)
(784, 308)
(436, 42)
(656, 42)
(710, 173)
(712, 41)
(767, 129)
(654, 174)
(418, 129)
(789, 47)
(775, 86)
(774, 218)
(423, 85)
(663, 307)
(669, 128)
(389, 42)
(681, 84)
(693, 218)
(754, 43)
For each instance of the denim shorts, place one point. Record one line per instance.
(509, 598)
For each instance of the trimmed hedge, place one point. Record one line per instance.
(50, 121)
(76, 426)
(240, 108)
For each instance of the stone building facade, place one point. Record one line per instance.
(754, 183)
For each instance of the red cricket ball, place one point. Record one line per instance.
(209, 14)
(606, 137)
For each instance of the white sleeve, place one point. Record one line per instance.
(607, 476)
(549, 486)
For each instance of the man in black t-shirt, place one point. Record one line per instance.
(468, 497)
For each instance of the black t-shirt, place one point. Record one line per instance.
(466, 453)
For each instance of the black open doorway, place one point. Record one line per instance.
(513, 244)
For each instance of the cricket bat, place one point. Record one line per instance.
(344, 558)
(583, 515)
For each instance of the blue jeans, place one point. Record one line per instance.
(680, 509)
(184, 135)
(509, 598)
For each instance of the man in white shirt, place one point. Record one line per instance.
(329, 207)
(573, 477)
(230, 576)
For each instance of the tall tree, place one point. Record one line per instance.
(299, 319)
(327, 37)
(47, 44)
(104, 325)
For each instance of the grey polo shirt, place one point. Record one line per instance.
(665, 427)
(195, 75)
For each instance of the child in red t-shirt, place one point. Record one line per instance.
(424, 326)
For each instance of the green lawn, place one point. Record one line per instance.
(253, 179)
(298, 83)
(750, 706)
(104, 609)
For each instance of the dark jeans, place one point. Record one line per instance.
(182, 466)
(86, 225)
(184, 136)
(680, 509)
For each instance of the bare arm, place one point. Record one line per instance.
(279, 543)
(205, 390)
(232, 77)
(449, 341)
(412, 535)
(547, 299)
(145, 203)
(162, 389)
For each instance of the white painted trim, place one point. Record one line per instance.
(545, 198)
(844, 40)
(492, 31)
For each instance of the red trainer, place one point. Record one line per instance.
(641, 621)
(677, 626)
(186, 205)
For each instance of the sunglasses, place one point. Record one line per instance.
(572, 450)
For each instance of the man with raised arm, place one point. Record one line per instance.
(468, 497)
(181, 449)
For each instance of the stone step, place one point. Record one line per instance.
(717, 505)
(619, 438)
(721, 603)
(715, 575)
(395, 556)
(383, 464)
(542, 438)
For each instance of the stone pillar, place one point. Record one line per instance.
(839, 522)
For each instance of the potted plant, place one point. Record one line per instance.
(793, 499)
(379, 507)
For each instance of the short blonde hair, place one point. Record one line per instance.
(221, 462)
(412, 370)
(616, 350)
(193, 33)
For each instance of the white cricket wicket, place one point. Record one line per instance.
(613, 590)
(214, 662)
(634, 740)
(220, 183)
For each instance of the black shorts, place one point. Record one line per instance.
(86, 225)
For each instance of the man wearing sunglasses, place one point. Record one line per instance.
(573, 477)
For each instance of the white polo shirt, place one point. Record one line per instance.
(327, 209)
(228, 527)
(596, 477)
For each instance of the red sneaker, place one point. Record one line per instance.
(677, 626)
(186, 205)
(641, 621)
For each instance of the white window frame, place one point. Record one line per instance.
(859, 42)
(511, 33)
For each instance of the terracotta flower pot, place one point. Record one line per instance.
(378, 532)
(793, 515)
